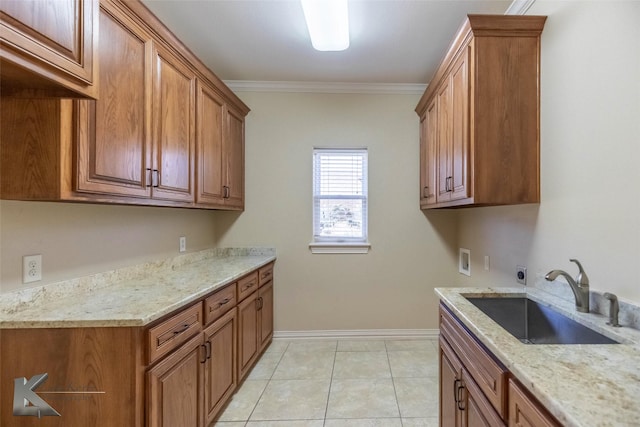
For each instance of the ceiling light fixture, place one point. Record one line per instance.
(328, 23)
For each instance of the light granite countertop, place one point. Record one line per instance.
(581, 385)
(131, 296)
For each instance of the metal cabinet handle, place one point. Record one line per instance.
(208, 349)
(459, 397)
(223, 302)
(448, 184)
(455, 389)
(425, 192)
(204, 356)
(153, 183)
(227, 191)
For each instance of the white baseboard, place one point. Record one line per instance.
(358, 334)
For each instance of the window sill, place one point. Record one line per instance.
(339, 248)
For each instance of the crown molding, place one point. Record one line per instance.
(325, 87)
(519, 7)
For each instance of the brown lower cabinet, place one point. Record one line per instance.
(179, 371)
(462, 402)
(476, 390)
(255, 319)
(174, 396)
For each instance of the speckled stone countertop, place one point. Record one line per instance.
(131, 296)
(581, 385)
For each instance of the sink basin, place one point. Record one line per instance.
(533, 323)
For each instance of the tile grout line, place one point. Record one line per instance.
(333, 367)
(268, 382)
(393, 382)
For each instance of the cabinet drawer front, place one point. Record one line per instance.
(525, 411)
(219, 303)
(247, 285)
(174, 331)
(490, 377)
(266, 274)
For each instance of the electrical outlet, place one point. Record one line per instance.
(31, 268)
(183, 244)
(521, 274)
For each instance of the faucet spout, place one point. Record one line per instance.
(580, 286)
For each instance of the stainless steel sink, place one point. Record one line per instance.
(533, 323)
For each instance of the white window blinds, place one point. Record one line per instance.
(340, 195)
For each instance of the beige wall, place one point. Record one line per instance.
(391, 287)
(590, 154)
(76, 240)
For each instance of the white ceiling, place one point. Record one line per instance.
(392, 41)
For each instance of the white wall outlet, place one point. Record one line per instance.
(183, 244)
(486, 263)
(521, 274)
(31, 268)
(464, 261)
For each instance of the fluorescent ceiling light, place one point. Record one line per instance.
(328, 23)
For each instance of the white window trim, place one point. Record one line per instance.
(339, 247)
(348, 245)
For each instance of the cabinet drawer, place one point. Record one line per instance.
(490, 377)
(174, 331)
(247, 285)
(524, 411)
(265, 274)
(219, 303)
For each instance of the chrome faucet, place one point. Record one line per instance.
(614, 308)
(580, 286)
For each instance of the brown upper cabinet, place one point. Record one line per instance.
(480, 116)
(48, 47)
(220, 151)
(164, 130)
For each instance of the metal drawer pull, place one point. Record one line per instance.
(223, 302)
(250, 285)
(181, 330)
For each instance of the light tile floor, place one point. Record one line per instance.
(377, 383)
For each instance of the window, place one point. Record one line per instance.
(339, 201)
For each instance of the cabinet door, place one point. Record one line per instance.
(209, 153)
(444, 130)
(220, 377)
(174, 387)
(54, 38)
(458, 183)
(428, 152)
(234, 154)
(248, 334)
(478, 411)
(174, 86)
(450, 382)
(114, 132)
(265, 314)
